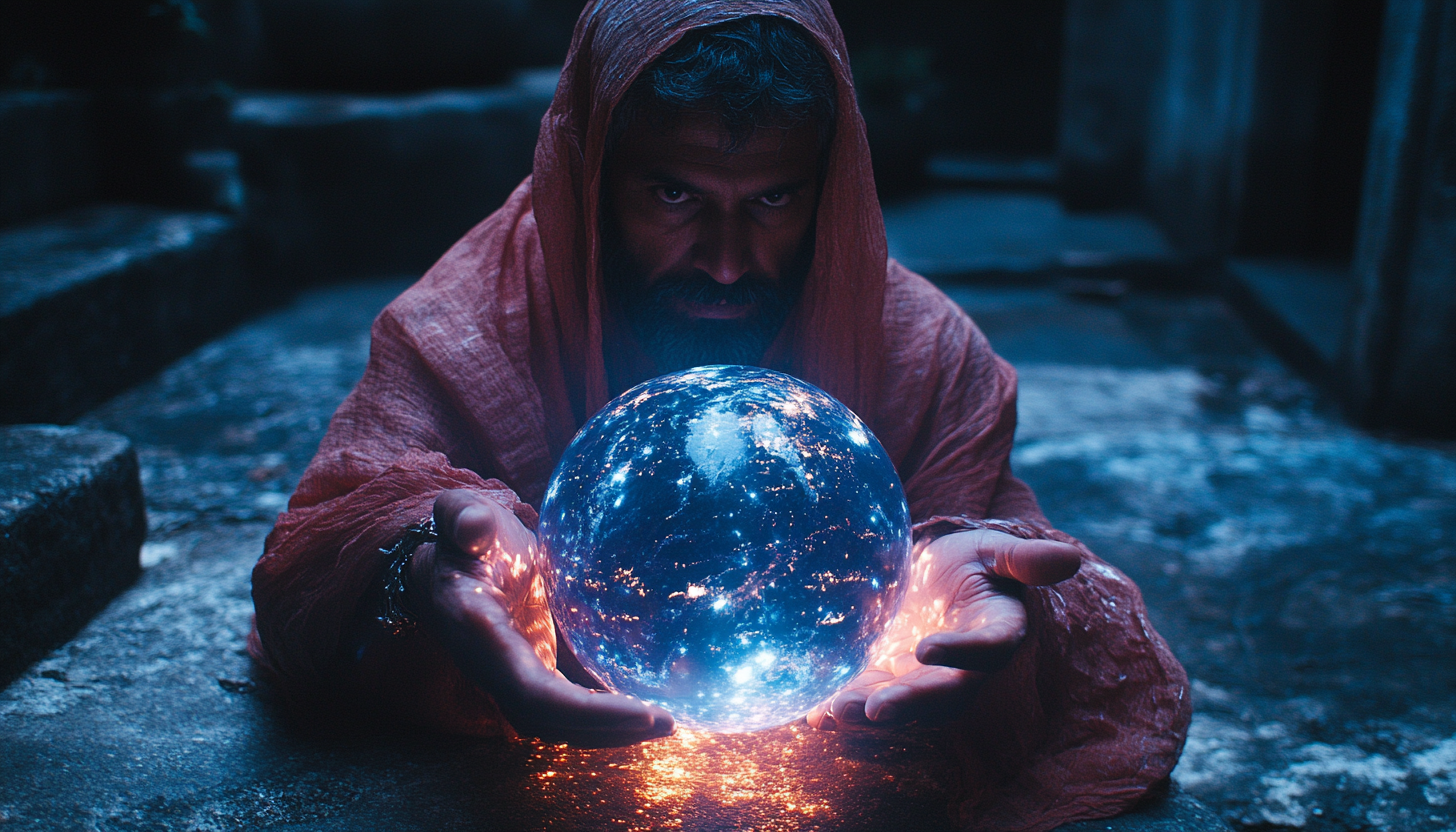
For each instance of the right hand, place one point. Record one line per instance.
(481, 591)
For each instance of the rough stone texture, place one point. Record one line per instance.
(154, 717)
(1302, 570)
(47, 160)
(965, 233)
(375, 184)
(71, 525)
(98, 298)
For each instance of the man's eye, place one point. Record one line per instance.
(673, 196)
(776, 200)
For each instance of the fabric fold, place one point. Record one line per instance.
(480, 374)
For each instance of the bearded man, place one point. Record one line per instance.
(701, 194)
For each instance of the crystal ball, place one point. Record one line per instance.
(726, 542)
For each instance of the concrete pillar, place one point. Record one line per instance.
(1200, 119)
(1400, 356)
(1157, 102)
(1112, 53)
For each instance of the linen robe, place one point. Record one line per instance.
(480, 374)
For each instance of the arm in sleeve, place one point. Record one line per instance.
(1093, 709)
(391, 448)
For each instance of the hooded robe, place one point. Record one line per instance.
(482, 372)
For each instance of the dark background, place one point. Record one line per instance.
(1217, 238)
(1241, 130)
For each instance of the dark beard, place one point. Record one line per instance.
(677, 342)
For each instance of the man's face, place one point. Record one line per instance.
(706, 246)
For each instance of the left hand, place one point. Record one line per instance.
(960, 621)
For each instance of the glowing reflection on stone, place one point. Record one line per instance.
(727, 542)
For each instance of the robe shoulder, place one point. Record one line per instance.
(947, 407)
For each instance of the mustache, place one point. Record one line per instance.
(698, 287)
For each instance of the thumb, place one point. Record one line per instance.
(468, 520)
(1031, 562)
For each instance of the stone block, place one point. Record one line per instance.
(72, 522)
(374, 184)
(98, 298)
(47, 159)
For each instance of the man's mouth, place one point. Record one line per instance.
(720, 310)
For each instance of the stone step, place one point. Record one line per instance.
(97, 298)
(377, 184)
(1299, 307)
(47, 155)
(72, 522)
(981, 234)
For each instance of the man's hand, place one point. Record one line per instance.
(960, 620)
(481, 592)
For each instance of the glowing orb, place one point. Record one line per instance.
(726, 542)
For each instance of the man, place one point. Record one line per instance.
(702, 193)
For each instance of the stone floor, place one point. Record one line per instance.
(1303, 571)
(962, 231)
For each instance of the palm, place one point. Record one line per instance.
(959, 621)
(488, 605)
(501, 579)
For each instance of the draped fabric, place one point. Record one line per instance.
(480, 374)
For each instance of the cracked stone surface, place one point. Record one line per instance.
(1302, 570)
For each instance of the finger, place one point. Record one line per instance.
(535, 699)
(467, 519)
(846, 706)
(929, 694)
(1031, 562)
(561, 711)
(820, 719)
(849, 707)
(983, 649)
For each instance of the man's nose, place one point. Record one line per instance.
(725, 249)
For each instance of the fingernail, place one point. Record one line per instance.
(932, 655)
(854, 714)
(887, 713)
(828, 722)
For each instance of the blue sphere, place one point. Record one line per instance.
(726, 542)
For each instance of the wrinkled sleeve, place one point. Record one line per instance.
(391, 448)
(1093, 709)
